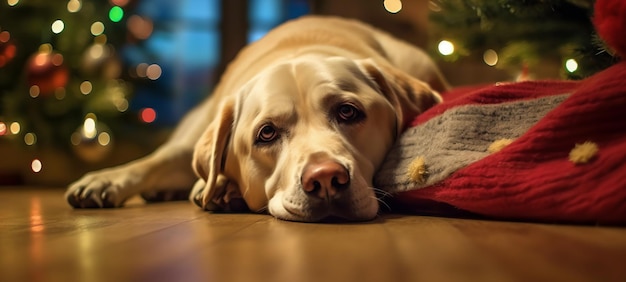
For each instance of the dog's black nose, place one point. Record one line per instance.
(325, 179)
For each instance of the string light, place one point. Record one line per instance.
(58, 26)
(41, 59)
(104, 139)
(10, 49)
(75, 138)
(139, 27)
(147, 115)
(153, 72)
(59, 93)
(96, 51)
(121, 3)
(121, 104)
(141, 69)
(15, 127)
(45, 48)
(5, 36)
(97, 28)
(445, 47)
(89, 128)
(100, 39)
(393, 6)
(490, 57)
(3, 128)
(571, 65)
(33, 91)
(57, 59)
(36, 165)
(30, 138)
(116, 14)
(73, 6)
(12, 2)
(85, 87)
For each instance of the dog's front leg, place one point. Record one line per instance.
(167, 170)
(162, 171)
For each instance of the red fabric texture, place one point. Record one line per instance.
(610, 22)
(532, 179)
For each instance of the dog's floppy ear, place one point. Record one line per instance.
(219, 193)
(408, 95)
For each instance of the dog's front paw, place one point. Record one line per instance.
(197, 197)
(96, 190)
(197, 193)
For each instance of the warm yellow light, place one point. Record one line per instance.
(15, 127)
(121, 105)
(153, 72)
(85, 87)
(141, 69)
(490, 57)
(96, 51)
(75, 138)
(445, 47)
(33, 91)
(73, 6)
(41, 59)
(36, 165)
(393, 6)
(58, 26)
(100, 39)
(571, 65)
(30, 138)
(97, 28)
(89, 128)
(13, 2)
(104, 138)
(45, 48)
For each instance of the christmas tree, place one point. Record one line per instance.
(62, 84)
(513, 34)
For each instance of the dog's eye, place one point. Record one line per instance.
(348, 113)
(267, 134)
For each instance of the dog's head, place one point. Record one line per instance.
(303, 139)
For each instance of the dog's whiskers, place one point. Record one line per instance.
(381, 192)
(383, 203)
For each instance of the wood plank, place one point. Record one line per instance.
(89, 245)
(42, 239)
(441, 249)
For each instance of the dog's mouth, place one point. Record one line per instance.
(340, 209)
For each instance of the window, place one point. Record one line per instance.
(266, 14)
(185, 44)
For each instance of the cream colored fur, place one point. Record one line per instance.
(331, 96)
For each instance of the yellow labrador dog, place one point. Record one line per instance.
(297, 127)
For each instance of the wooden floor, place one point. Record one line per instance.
(43, 239)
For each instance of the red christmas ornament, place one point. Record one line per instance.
(610, 22)
(46, 70)
(7, 48)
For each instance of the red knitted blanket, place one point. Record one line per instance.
(534, 178)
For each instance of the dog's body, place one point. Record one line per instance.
(297, 126)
